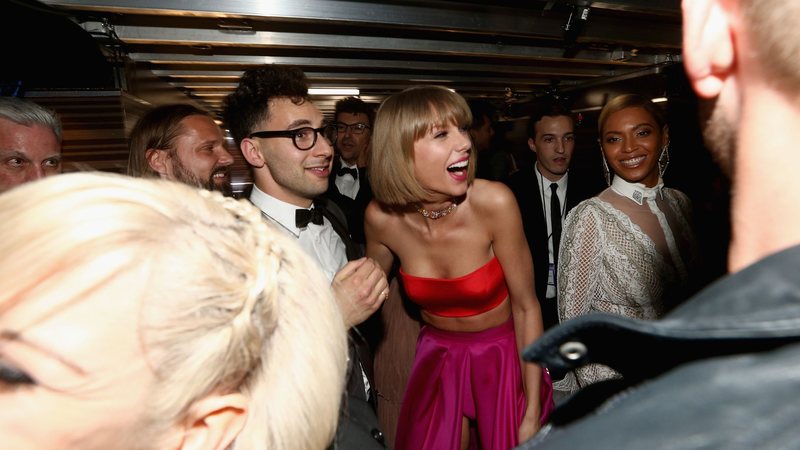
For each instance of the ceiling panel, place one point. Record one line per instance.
(506, 51)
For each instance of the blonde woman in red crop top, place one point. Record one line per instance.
(465, 261)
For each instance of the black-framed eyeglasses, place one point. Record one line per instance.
(355, 128)
(303, 138)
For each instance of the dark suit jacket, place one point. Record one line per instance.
(358, 424)
(525, 186)
(353, 208)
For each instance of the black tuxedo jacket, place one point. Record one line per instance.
(525, 186)
(353, 208)
(358, 424)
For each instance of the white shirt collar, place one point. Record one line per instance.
(636, 191)
(278, 211)
(562, 182)
(320, 242)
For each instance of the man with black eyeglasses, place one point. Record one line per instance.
(289, 147)
(349, 186)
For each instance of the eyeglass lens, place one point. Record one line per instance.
(355, 128)
(305, 138)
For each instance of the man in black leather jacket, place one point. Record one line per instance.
(722, 370)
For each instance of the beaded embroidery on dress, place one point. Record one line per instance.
(618, 256)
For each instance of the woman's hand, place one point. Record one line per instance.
(529, 425)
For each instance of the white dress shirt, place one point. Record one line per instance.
(346, 184)
(546, 194)
(319, 241)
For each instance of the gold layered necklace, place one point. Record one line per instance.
(439, 213)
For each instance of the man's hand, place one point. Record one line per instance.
(360, 287)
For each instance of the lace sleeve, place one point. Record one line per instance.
(577, 261)
(579, 280)
(686, 212)
(681, 208)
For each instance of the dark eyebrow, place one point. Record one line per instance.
(10, 335)
(299, 123)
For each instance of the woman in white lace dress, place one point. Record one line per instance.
(628, 250)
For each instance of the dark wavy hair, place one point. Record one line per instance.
(248, 105)
(355, 105)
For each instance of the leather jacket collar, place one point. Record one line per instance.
(754, 310)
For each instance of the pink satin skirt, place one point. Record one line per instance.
(463, 374)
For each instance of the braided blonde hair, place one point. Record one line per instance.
(228, 305)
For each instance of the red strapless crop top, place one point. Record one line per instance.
(467, 295)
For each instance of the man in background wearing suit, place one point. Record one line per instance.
(551, 137)
(348, 186)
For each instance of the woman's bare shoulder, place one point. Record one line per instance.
(491, 196)
(379, 216)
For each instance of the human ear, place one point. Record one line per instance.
(213, 422)
(708, 45)
(157, 160)
(665, 135)
(532, 144)
(251, 152)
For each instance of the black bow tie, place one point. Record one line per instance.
(302, 217)
(347, 170)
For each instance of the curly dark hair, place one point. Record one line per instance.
(248, 105)
(355, 105)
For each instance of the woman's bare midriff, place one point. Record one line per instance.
(489, 319)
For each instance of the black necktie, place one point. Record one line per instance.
(302, 217)
(555, 221)
(352, 171)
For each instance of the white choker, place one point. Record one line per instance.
(636, 191)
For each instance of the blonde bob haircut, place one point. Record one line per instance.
(402, 120)
(227, 303)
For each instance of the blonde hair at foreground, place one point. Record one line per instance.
(228, 304)
(402, 119)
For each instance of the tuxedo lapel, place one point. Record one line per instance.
(332, 189)
(525, 186)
